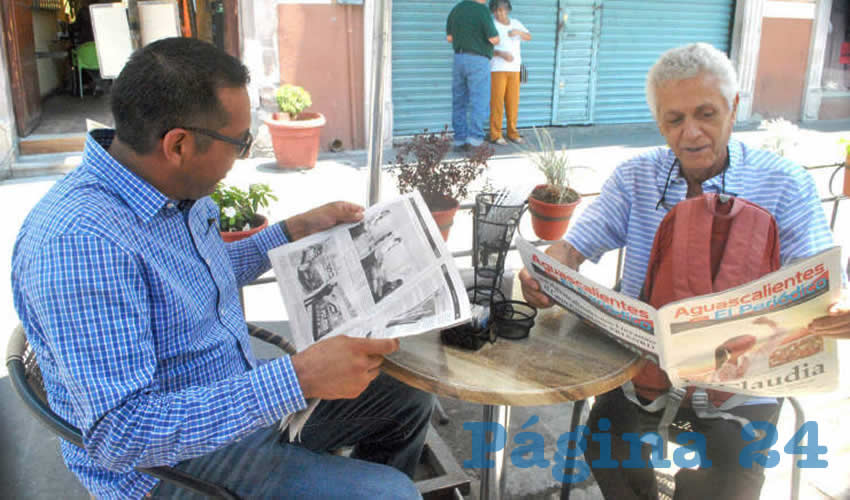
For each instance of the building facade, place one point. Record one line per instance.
(587, 60)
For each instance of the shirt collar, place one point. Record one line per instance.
(736, 160)
(142, 198)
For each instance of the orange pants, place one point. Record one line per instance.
(504, 92)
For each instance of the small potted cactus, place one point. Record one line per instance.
(294, 132)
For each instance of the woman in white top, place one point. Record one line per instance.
(504, 72)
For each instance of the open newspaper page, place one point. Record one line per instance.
(629, 321)
(753, 339)
(390, 275)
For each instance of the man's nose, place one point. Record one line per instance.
(691, 129)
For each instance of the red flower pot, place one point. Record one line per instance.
(296, 142)
(550, 220)
(445, 219)
(231, 236)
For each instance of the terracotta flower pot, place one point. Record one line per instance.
(550, 220)
(231, 236)
(296, 142)
(445, 219)
(847, 175)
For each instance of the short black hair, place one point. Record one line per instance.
(495, 4)
(170, 83)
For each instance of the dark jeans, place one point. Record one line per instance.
(724, 479)
(386, 425)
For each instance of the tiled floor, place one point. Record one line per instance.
(66, 114)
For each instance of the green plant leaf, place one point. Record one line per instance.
(292, 99)
(552, 162)
(238, 207)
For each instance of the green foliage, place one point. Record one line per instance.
(238, 209)
(419, 165)
(292, 99)
(555, 165)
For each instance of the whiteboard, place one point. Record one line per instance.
(111, 36)
(158, 19)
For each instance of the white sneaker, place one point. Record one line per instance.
(500, 141)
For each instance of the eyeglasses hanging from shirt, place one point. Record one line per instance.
(721, 190)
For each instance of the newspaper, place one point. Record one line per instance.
(390, 275)
(751, 339)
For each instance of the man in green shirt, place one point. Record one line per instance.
(471, 32)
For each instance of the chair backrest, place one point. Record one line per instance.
(27, 382)
(86, 56)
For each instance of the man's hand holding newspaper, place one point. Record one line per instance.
(351, 289)
(562, 252)
(341, 367)
(837, 321)
(769, 337)
(322, 218)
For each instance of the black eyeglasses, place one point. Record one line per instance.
(720, 190)
(244, 144)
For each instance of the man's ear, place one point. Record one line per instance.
(176, 144)
(735, 107)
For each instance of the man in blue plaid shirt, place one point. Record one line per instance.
(130, 300)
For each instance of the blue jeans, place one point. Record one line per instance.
(470, 95)
(386, 425)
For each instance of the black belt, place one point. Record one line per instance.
(462, 51)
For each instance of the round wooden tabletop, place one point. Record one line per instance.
(563, 359)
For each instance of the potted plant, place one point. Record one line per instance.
(295, 133)
(780, 137)
(551, 204)
(238, 210)
(420, 164)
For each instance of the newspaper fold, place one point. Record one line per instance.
(752, 339)
(390, 275)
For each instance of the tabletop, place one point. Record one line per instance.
(563, 359)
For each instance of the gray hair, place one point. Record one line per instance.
(689, 61)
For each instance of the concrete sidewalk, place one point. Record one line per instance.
(30, 466)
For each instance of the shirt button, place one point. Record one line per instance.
(221, 311)
(169, 205)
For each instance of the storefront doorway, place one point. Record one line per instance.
(54, 102)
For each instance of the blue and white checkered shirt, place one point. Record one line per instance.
(130, 301)
(624, 214)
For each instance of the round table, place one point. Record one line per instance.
(563, 359)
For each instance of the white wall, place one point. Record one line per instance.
(49, 70)
(7, 120)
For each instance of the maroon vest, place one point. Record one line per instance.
(703, 246)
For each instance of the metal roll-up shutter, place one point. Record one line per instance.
(634, 33)
(422, 64)
(576, 60)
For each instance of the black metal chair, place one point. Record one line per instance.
(677, 426)
(27, 382)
